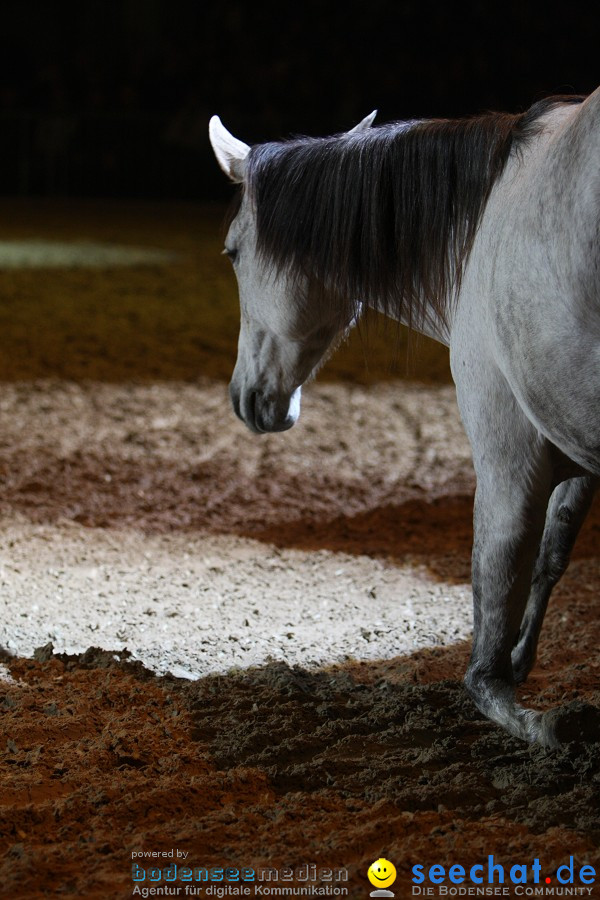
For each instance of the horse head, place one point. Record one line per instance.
(285, 331)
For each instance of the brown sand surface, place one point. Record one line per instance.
(128, 485)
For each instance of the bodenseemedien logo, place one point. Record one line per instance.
(187, 880)
(382, 874)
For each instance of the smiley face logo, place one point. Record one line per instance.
(382, 873)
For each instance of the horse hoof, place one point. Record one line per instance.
(523, 659)
(521, 671)
(576, 721)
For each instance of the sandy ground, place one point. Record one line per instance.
(307, 592)
(148, 518)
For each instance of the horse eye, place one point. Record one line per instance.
(231, 253)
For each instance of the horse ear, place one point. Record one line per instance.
(364, 124)
(231, 154)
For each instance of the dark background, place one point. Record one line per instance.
(113, 99)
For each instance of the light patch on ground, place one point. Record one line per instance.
(5, 675)
(195, 605)
(40, 254)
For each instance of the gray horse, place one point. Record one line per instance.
(483, 233)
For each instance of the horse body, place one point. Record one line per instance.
(520, 279)
(531, 292)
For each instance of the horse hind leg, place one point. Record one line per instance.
(515, 478)
(508, 523)
(567, 510)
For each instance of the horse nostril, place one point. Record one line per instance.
(252, 397)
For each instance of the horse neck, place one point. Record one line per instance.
(561, 172)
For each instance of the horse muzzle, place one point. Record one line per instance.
(262, 412)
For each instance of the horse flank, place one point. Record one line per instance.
(386, 216)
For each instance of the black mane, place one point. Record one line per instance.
(387, 215)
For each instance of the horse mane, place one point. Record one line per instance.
(387, 215)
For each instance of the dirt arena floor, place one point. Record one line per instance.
(246, 652)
